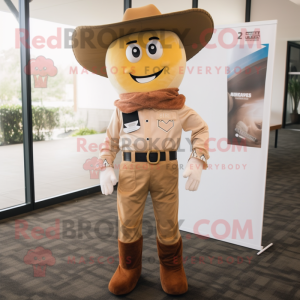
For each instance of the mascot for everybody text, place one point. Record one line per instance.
(144, 57)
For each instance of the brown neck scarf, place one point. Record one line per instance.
(160, 99)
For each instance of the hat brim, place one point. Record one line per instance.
(90, 43)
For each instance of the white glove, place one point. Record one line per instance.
(193, 171)
(107, 180)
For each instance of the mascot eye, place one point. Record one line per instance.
(154, 49)
(134, 53)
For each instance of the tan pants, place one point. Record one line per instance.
(135, 180)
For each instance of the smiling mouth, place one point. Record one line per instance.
(145, 79)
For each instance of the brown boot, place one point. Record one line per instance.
(172, 275)
(130, 267)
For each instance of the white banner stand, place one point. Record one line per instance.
(229, 204)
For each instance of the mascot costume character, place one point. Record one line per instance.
(144, 57)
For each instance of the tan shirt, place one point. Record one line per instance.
(159, 130)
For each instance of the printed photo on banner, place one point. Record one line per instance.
(246, 91)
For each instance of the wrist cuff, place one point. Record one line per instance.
(201, 155)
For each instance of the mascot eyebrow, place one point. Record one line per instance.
(131, 42)
(135, 41)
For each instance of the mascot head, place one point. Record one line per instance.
(145, 52)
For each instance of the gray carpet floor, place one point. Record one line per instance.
(85, 259)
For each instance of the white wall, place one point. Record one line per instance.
(97, 12)
(75, 13)
(288, 15)
(165, 6)
(225, 11)
(235, 9)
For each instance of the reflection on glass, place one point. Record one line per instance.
(12, 190)
(293, 97)
(71, 111)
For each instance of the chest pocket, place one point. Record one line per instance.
(165, 120)
(131, 122)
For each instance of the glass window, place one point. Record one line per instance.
(71, 106)
(12, 191)
(293, 95)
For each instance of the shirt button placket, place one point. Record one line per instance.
(147, 131)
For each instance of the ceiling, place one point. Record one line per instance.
(91, 12)
(296, 1)
(74, 12)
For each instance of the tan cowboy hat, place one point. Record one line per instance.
(90, 43)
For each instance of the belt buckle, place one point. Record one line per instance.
(158, 157)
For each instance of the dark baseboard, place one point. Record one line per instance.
(25, 208)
